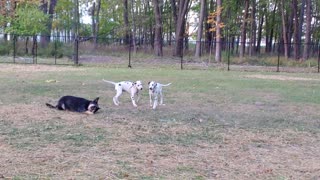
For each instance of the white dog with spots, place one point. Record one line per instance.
(155, 89)
(131, 87)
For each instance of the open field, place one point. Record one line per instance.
(215, 125)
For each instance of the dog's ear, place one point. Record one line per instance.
(96, 100)
(149, 82)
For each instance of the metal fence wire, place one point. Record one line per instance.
(68, 50)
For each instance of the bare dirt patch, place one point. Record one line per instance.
(280, 77)
(36, 68)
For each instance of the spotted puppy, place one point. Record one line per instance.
(131, 87)
(155, 89)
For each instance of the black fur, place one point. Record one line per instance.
(76, 104)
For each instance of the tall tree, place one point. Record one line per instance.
(158, 28)
(262, 12)
(28, 21)
(200, 28)
(296, 28)
(244, 28)
(180, 25)
(208, 34)
(252, 45)
(270, 27)
(95, 21)
(307, 40)
(133, 32)
(284, 29)
(126, 21)
(218, 32)
(62, 23)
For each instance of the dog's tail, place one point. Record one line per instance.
(166, 84)
(51, 106)
(109, 82)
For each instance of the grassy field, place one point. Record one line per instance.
(215, 125)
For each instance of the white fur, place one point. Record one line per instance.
(155, 89)
(132, 88)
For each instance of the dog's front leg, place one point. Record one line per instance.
(133, 100)
(155, 102)
(138, 97)
(150, 97)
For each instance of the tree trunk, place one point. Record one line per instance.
(301, 20)
(261, 22)
(244, 29)
(96, 23)
(253, 29)
(200, 29)
(174, 17)
(93, 19)
(296, 28)
(126, 21)
(284, 31)
(26, 45)
(133, 33)
(270, 28)
(218, 32)
(44, 8)
(158, 29)
(180, 26)
(208, 33)
(307, 40)
(174, 11)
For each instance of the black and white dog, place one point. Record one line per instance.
(155, 89)
(76, 104)
(131, 87)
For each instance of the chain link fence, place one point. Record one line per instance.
(110, 52)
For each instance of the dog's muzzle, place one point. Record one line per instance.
(93, 109)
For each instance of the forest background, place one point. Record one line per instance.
(245, 28)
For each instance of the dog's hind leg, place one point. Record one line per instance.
(161, 99)
(51, 106)
(116, 98)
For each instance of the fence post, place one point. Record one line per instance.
(36, 53)
(228, 49)
(278, 65)
(318, 58)
(76, 49)
(14, 48)
(129, 64)
(55, 51)
(181, 57)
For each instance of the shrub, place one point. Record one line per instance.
(5, 48)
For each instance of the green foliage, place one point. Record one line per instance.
(109, 19)
(5, 48)
(29, 20)
(63, 19)
(56, 49)
(2, 21)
